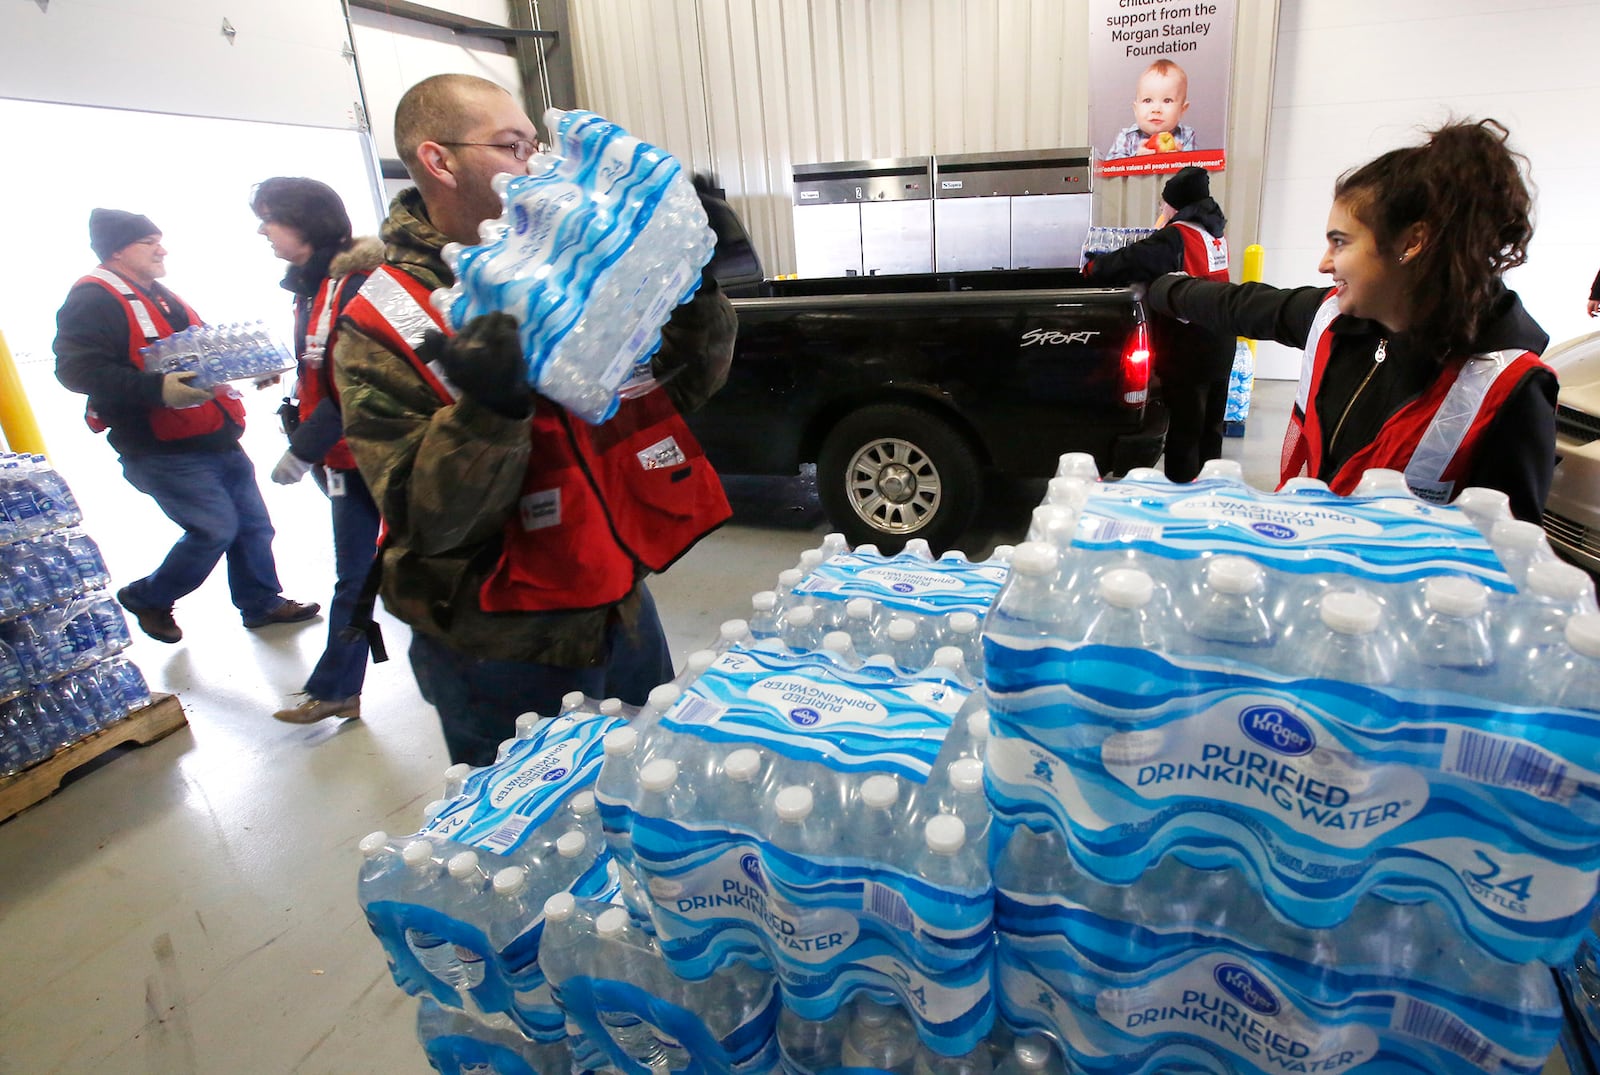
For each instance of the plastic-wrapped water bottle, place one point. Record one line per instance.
(964, 798)
(130, 683)
(1535, 619)
(764, 621)
(478, 1043)
(1349, 642)
(1032, 1054)
(1519, 545)
(1381, 482)
(617, 788)
(797, 825)
(662, 794)
(879, 822)
(838, 646)
(1127, 616)
(739, 792)
(1231, 609)
(694, 666)
(22, 502)
(1484, 507)
(30, 584)
(1576, 681)
(905, 646)
(861, 624)
(12, 681)
(881, 1036)
(975, 1062)
(801, 632)
(948, 860)
(1454, 634)
(962, 630)
(1078, 465)
(87, 561)
(813, 1046)
(567, 932)
(64, 506)
(626, 962)
(732, 633)
(1033, 602)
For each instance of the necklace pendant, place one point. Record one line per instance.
(1381, 353)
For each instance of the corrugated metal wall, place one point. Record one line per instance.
(748, 88)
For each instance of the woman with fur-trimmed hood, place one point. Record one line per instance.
(307, 225)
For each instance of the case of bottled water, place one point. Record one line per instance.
(1241, 382)
(1339, 696)
(1102, 240)
(217, 354)
(475, 1043)
(1188, 970)
(458, 905)
(609, 977)
(598, 243)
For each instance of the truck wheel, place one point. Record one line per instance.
(888, 473)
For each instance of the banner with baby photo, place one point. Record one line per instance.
(1159, 73)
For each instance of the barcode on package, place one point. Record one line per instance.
(692, 709)
(1433, 1024)
(1507, 763)
(885, 903)
(1096, 529)
(506, 835)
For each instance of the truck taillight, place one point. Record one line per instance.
(1136, 367)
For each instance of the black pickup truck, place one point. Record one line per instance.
(905, 390)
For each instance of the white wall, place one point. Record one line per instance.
(750, 88)
(1359, 77)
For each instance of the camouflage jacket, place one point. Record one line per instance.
(446, 477)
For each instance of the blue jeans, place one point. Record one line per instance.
(342, 668)
(479, 701)
(214, 498)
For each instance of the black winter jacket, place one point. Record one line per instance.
(1516, 453)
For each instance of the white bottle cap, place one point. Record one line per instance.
(1583, 635)
(462, 866)
(1226, 469)
(457, 772)
(858, 608)
(511, 881)
(1381, 481)
(880, 791)
(810, 559)
(1303, 485)
(1516, 534)
(611, 707)
(1067, 492)
(1032, 1052)
(1126, 587)
(788, 579)
(902, 630)
(872, 1013)
(734, 630)
(612, 923)
(837, 642)
(945, 834)
(571, 700)
(698, 661)
(1036, 559)
(1146, 474)
(963, 623)
(570, 844)
(658, 775)
(764, 600)
(1234, 575)
(1482, 502)
(417, 853)
(665, 695)
(743, 765)
(1454, 595)
(801, 616)
(919, 548)
(1078, 465)
(583, 804)
(949, 657)
(1556, 579)
(978, 725)
(434, 809)
(1046, 515)
(1350, 613)
(526, 724)
(372, 843)
(834, 543)
(966, 775)
(868, 549)
(560, 907)
(504, 748)
(793, 803)
(620, 742)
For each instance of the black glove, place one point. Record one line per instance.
(484, 361)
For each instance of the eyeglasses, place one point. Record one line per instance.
(521, 149)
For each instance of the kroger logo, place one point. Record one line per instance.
(558, 773)
(1277, 729)
(804, 717)
(519, 218)
(901, 587)
(1245, 987)
(1275, 531)
(751, 865)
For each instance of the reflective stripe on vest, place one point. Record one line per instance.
(315, 380)
(146, 324)
(1205, 256)
(597, 503)
(1432, 438)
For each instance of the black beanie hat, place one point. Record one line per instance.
(1188, 186)
(112, 229)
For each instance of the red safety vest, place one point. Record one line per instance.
(1205, 256)
(1431, 439)
(598, 503)
(315, 378)
(146, 324)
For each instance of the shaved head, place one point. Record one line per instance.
(438, 109)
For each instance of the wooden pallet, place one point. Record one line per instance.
(159, 719)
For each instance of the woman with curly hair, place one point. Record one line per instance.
(1418, 359)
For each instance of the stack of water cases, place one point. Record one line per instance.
(217, 354)
(60, 632)
(597, 244)
(1101, 240)
(809, 799)
(1241, 382)
(1290, 782)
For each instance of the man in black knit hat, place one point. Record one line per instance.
(1192, 364)
(179, 444)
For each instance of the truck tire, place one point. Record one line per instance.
(888, 473)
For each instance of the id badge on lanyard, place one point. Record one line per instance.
(335, 482)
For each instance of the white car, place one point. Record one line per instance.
(1572, 512)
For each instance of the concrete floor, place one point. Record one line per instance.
(189, 906)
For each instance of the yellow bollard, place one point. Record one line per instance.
(1254, 258)
(16, 417)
